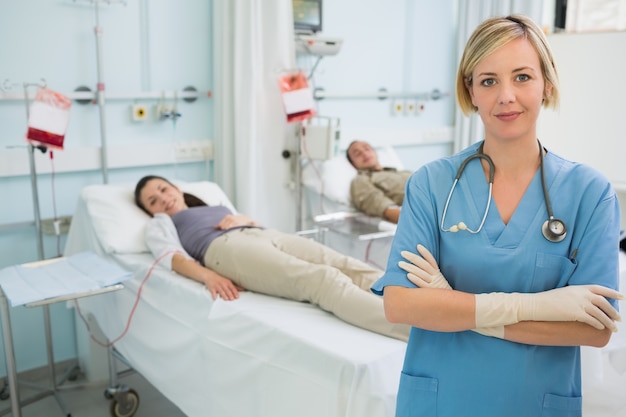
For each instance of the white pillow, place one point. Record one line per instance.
(332, 178)
(120, 225)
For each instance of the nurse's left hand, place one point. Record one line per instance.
(423, 270)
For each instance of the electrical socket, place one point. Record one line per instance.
(139, 112)
(410, 107)
(420, 106)
(193, 151)
(438, 135)
(397, 107)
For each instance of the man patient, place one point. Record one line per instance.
(376, 190)
(229, 252)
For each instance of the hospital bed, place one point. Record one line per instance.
(328, 207)
(327, 182)
(256, 356)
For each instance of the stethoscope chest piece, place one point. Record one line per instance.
(554, 230)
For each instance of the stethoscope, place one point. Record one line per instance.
(553, 229)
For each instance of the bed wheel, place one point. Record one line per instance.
(125, 404)
(107, 394)
(4, 392)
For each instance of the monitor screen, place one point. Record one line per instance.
(307, 15)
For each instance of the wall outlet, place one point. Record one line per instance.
(410, 107)
(397, 107)
(194, 151)
(420, 106)
(139, 112)
(443, 134)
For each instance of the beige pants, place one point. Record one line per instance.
(290, 266)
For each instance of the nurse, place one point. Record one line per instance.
(518, 258)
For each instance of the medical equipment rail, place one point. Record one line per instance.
(16, 403)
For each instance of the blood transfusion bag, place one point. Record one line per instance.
(297, 97)
(48, 119)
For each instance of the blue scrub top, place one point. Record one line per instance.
(468, 374)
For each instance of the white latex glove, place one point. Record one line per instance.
(424, 272)
(583, 303)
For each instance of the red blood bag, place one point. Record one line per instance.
(297, 97)
(48, 118)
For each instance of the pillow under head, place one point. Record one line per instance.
(120, 225)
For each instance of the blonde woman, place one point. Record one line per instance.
(518, 250)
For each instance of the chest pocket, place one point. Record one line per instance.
(551, 271)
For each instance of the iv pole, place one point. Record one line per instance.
(100, 88)
(33, 173)
(100, 97)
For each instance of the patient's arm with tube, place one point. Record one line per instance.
(562, 308)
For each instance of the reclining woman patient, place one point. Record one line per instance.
(230, 252)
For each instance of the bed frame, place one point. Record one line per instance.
(256, 356)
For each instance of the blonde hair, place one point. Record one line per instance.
(491, 35)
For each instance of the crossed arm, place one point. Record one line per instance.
(575, 315)
(452, 311)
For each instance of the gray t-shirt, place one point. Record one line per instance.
(196, 228)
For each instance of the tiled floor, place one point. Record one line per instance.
(81, 400)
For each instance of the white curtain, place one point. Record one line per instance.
(468, 130)
(253, 44)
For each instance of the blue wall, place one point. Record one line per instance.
(147, 46)
(402, 46)
(150, 46)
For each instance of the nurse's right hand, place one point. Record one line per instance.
(423, 270)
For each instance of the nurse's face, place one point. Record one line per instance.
(159, 196)
(508, 88)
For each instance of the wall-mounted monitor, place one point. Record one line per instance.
(307, 16)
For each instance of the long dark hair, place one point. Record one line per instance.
(190, 199)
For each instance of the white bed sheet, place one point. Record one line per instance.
(256, 356)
